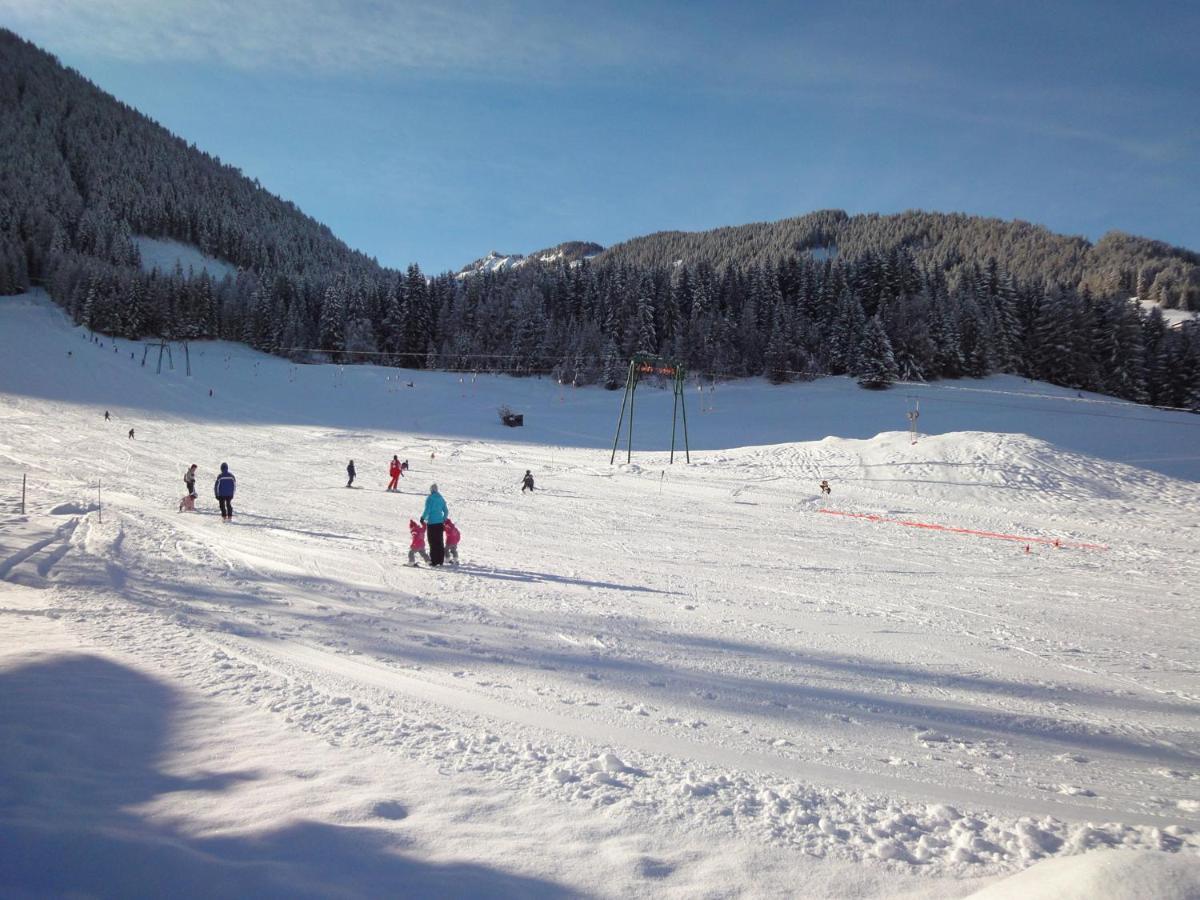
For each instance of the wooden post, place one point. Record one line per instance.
(22, 493)
(99, 503)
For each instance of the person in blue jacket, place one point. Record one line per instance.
(435, 518)
(224, 489)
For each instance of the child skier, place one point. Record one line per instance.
(453, 536)
(189, 479)
(825, 489)
(350, 473)
(396, 472)
(527, 482)
(418, 543)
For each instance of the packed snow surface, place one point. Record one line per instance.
(644, 679)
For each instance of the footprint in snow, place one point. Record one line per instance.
(389, 809)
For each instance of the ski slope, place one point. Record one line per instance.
(644, 680)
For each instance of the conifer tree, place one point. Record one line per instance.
(876, 364)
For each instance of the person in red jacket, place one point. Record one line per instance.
(453, 536)
(395, 471)
(418, 543)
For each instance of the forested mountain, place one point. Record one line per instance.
(1116, 264)
(81, 173)
(881, 298)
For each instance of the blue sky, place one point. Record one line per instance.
(436, 131)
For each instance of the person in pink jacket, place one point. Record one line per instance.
(418, 543)
(453, 536)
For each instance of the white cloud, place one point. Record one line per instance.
(330, 36)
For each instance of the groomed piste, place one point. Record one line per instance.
(641, 680)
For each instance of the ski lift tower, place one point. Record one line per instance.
(644, 364)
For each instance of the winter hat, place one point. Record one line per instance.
(224, 467)
(433, 489)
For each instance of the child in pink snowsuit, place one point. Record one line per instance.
(453, 536)
(418, 543)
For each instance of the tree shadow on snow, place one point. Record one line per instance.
(81, 742)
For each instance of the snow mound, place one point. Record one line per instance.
(1103, 875)
(72, 509)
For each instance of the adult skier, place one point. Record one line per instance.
(189, 479)
(106, 416)
(527, 482)
(434, 517)
(131, 434)
(350, 473)
(224, 488)
(395, 471)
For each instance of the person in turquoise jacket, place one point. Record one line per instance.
(435, 518)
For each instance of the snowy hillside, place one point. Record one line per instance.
(978, 654)
(165, 255)
(570, 251)
(1173, 317)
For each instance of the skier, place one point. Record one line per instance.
(224, 488)
(825, 489)
(434, 518)
(189, 479)
(131, 434)
(106, 416)
(404, 467)
(527, 482)
(395, 471)
(453, 536)
(350, 472)
(418, 543)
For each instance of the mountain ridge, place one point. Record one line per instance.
(914, 296)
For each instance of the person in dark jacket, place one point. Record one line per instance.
(527, 482)
(224, 489)
(434, 517)
(350, 473)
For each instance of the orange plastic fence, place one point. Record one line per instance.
(933, 526)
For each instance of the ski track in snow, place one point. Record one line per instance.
(698, 649)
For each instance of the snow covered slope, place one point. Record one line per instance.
(643, 680)
(1173, 317)
(573, 252)
(165, 255)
